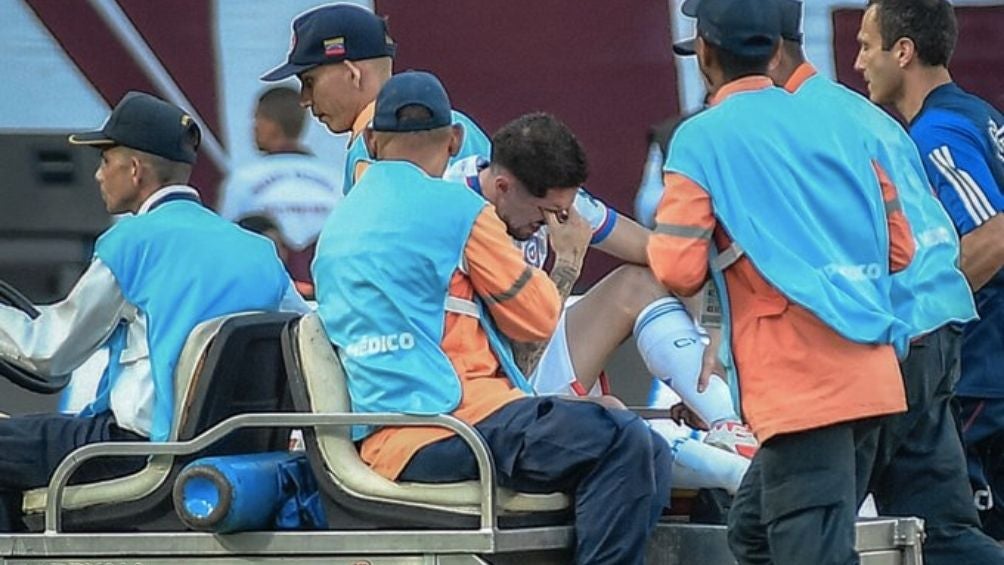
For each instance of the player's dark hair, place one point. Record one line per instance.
(541, 152)
(282, 105)
(930, 24)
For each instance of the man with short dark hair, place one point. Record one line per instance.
(287, 183)
(905, 48)
(343, 54)
(801, 237)
(157, 273)
(422, 314)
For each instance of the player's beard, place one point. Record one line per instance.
(530, 231)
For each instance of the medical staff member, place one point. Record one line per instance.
(167, 266)
(802, 240)
(422, 305)
(343, 54)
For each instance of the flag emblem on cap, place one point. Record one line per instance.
(334, 47)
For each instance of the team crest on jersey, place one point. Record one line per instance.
(531, 252)
(535, 249)
(997, 138)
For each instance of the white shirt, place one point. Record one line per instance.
(68, 333)
(297, 191)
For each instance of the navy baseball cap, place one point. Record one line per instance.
(410, 89)
(147, 123)
(749, 28)
(791, 20)
(332, 34)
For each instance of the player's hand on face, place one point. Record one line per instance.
(569, 236)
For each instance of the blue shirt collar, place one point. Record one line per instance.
(938, 93)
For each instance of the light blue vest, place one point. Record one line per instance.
(383, 266)
(475, 142)
(777, 168)
(180, 264)
(931, 291)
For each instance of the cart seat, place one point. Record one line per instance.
(229, 365)
(358, 497)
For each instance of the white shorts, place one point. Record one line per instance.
(554, 373)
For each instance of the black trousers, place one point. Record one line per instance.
(798, 502)
(31, 447)
(983, 436)
(920, 467)
(616, 468)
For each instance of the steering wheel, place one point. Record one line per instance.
(18, 375)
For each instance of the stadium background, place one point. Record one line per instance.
(603, 67)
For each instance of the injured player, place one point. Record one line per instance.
(534, 181)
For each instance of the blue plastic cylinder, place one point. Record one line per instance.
(231, 493)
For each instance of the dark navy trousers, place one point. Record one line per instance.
(798, 501)
(31, 447)
(983, 435)
(920, 468)
(616, 469)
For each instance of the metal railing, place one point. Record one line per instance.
(485, 462)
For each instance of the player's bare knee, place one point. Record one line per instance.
(637, 287)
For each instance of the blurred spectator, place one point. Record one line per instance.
(287, 184)
(650, 189)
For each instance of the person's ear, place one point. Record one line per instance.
(775, 59)
(355, 74)
(456, 139)
(702, 52)
(502, 184)
(136, 171)
(905, 51)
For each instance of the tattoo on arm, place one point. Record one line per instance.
(527, 354)
(564, 274)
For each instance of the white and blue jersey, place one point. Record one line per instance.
(961, 138)
(599, 216)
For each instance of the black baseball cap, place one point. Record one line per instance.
(749, 28)
(144, 122)
(332, 34)
(407, 89)
(791, 20)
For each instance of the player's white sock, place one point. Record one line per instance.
(698, 465)
(660, 395)
(673, 349)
